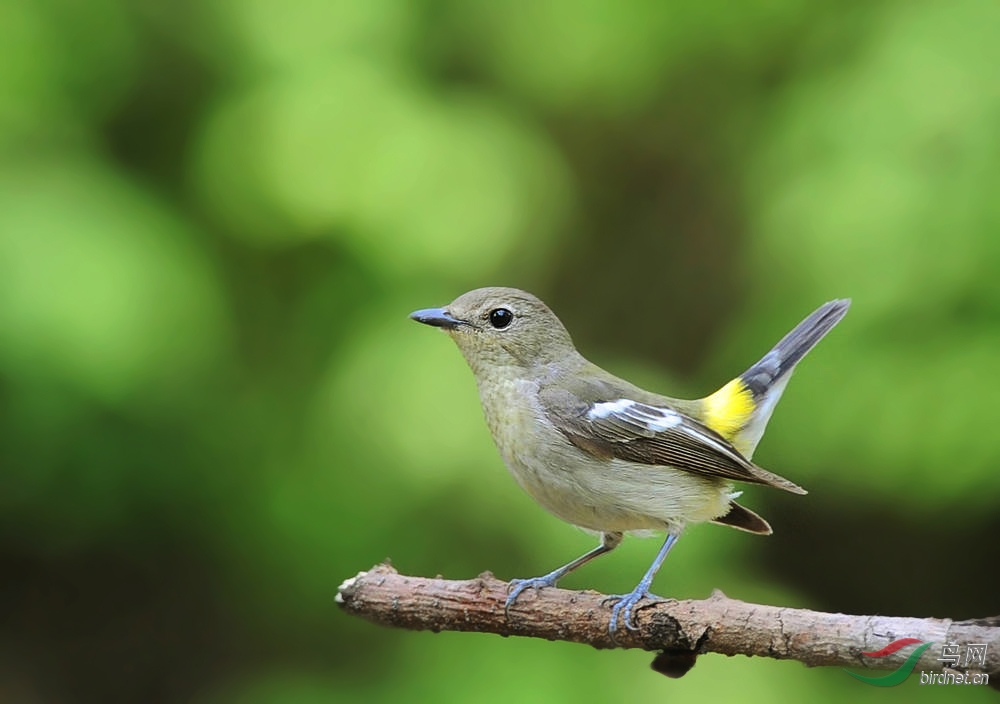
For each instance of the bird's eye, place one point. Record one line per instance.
(500, 318)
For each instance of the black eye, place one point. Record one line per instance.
(500, 318)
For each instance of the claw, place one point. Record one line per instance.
(519, 585)
(625, 608)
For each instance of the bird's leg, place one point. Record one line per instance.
(609, 541)
(627, 602)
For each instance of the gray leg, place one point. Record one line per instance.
(609, 541)
(627, 602)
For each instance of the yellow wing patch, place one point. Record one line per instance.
(728, 410)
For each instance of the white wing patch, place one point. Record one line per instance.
(651, 417)
(609, 408)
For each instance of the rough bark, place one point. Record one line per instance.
(680, 630)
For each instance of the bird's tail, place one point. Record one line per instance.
(739, 411)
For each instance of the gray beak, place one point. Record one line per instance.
(436, 317)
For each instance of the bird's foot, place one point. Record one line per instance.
(625, 606)
(519, 585)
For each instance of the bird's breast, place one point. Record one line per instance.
(535, 452)
(515, 420)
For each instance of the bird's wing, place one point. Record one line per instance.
(650, 434)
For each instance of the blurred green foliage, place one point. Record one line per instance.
(214, 218)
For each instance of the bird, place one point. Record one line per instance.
(605, 455)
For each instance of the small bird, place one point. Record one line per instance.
(603, 454)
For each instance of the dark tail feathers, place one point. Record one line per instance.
(786, 354)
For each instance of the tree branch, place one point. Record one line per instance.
(681, 630)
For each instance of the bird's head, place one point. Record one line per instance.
(499, 328)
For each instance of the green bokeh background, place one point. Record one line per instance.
(215, 216)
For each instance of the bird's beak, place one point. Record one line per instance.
(436, 317)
